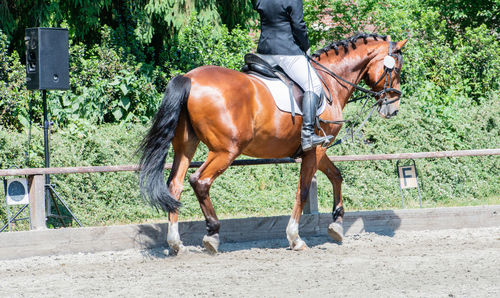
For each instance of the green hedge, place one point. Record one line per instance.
(99, 199)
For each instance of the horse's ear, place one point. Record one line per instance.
(400, 44)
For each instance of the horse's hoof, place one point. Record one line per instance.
(336, 231)
(177, 248)
(211, 243)
(299, 245)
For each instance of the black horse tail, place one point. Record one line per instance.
(155, 145)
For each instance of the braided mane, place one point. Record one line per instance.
(345, 43)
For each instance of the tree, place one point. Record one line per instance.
(461, 14)
(137, 24)
(236, 13)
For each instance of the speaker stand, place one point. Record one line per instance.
(51, 195)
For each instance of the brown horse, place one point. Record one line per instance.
(234, 113)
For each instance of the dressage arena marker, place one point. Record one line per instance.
(408, 178)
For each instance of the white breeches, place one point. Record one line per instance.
(299, 69)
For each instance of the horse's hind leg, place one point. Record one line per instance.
(184, 143)
(201, 181)
(335, 230)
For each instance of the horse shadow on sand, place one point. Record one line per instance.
(265, 232)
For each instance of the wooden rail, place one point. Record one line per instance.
(38, 187)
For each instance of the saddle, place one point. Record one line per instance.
(259, 67)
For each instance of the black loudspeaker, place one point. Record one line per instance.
(47, 59)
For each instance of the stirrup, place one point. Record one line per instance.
(308, 148)
(327, 141)
(310, 143)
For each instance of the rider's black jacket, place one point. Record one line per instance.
(283, 30)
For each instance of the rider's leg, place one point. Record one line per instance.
(301, 71)
(309, 139)
(273, 60)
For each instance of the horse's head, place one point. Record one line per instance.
(383, 75)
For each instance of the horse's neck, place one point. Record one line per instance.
(351, 66)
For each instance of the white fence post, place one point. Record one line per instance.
(37, 202)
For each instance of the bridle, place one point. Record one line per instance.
(389, 63)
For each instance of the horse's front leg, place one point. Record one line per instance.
(335, 229)
(307, 170)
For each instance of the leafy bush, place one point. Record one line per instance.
(462, 14)
(439, 69)
(107, 86)
(13, 94)
(200, 43)
(440, 66)
(476, 63)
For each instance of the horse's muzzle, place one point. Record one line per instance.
(388, 111)
(392, 114)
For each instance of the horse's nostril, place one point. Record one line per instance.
(395, 113)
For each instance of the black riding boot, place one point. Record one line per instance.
(308, 137)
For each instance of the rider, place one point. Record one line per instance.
(283, 41)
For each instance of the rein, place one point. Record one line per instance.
(387, 74)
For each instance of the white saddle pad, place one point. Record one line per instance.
(281, 95)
